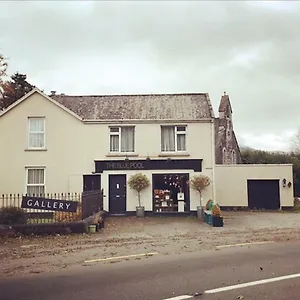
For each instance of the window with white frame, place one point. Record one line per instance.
(36, 138)
(35, 181)
(122, 139)
(173, 138)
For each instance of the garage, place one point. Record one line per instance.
(263, 194)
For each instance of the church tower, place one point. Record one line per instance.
(227, 149)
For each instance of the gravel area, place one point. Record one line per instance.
(129, 235)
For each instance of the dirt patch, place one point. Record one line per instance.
(130, 235)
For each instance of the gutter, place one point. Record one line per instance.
(213, 160)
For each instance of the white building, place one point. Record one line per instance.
(59, 143)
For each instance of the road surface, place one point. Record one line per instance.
(244, 272)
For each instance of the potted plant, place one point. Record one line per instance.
(139, 182)
(208, 207)
(200, 183)
(217, 219)
(209, 204)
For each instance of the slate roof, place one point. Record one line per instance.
(187, 107)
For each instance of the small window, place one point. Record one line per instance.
(229, 133)
(122, 139)
(173, 138)
(233, 157)
(36, 138)
(224, 155)
(35, 181)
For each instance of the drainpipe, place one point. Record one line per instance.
(213, 159)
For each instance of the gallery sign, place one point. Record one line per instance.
(153, 164)
(49, 204)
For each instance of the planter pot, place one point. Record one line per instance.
(140, 211)
(205, 217)
(200, 212)
(217, 221)
(92, 228)
(209, 219)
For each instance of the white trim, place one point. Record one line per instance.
(36, 90)
(28, 133)
(213, 161)
(176, 133)
(26, 177)
(147, 121)
(119, 134)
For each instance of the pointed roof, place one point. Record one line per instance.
(225, 103)
(36, 90)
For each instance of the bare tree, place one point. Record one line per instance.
(295, 142)
(3, 68)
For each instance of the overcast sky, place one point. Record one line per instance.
(251, 50)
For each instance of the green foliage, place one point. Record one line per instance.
(138, 182)
(10, 215)
(251, 156)
(200, 183)
(14, 89)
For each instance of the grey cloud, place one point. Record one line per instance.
(179, 46)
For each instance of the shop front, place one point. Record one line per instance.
(169, 191)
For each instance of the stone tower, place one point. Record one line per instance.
(227, 148)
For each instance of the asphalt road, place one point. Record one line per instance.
(165, 276)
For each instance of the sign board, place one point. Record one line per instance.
(153, 164)
(49, 204)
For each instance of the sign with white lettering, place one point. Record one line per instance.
(124, 165)
(49, 204)
(153, 164)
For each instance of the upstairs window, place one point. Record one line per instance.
(173, 138)
(35, 181)
(36, 138)
(122, 139)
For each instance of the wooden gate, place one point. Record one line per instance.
(92, 202)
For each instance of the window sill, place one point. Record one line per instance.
(173, 154)
(37, 149)
(122, 154)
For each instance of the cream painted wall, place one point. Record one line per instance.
(72, 146)
(231, 182)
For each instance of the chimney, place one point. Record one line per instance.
(53, 93)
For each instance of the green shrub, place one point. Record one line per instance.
(10, 215)
(138, 182)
